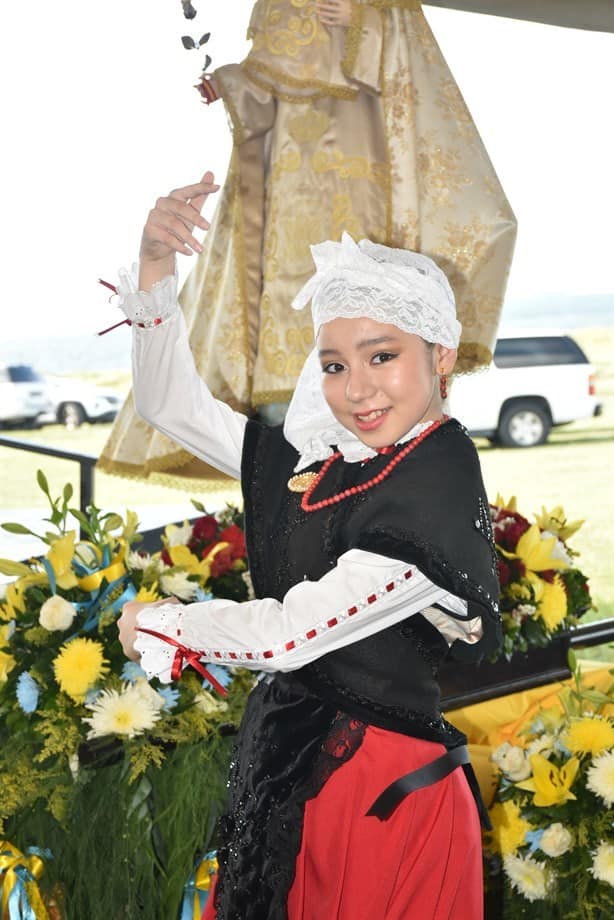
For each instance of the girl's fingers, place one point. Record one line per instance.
(190, 215)
(170, 226)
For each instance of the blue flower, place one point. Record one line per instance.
(132, 671)
(534, 838)
(171, 695)
(27, 692)
(221, 674)
(202, 595)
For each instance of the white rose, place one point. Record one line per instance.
(556, 840)
(143, 689)
(56, 613)
(512, 760)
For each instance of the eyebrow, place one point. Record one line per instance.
(365, 343)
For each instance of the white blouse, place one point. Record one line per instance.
(362, 594)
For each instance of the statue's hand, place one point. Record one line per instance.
(334, 12)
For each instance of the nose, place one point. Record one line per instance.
(359, 385)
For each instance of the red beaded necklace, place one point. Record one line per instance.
(354, 490)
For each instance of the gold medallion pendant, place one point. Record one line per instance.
(301, 482)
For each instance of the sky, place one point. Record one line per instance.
(100, 118)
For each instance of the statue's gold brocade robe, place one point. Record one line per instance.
(360, 129)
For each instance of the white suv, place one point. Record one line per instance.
(23, 395)
(28, 398)
(537, 380)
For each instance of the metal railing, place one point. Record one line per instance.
(86, 462)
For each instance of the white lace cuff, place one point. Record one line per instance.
(157, 656)
(143, 308)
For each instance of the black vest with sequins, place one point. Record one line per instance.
(431, 511)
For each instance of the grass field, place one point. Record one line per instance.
(573, 469)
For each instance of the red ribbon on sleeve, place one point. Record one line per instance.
(189, 656)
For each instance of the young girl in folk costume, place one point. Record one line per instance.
(345, 116)
(371, 555)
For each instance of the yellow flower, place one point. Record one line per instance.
(7, 663)
(536, 553)
(147, 595)
(510, 505)
(550, 784)
(128, 713)
(509, 827)
(14, 601)
(552, 602)
(555, 522)
(589, 736)
(78, 666)
(131, 526)
(60, 556)
(181, 556)
(600, 777)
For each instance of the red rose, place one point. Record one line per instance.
(222, 562)
(504, 572)
(235, 536)
(205, 529)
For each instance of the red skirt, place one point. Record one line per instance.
(423, 863)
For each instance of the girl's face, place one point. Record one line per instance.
(378, 381)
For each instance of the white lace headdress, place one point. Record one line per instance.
(395, 286)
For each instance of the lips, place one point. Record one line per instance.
(368, 421)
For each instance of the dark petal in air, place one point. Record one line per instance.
(204, 39)
(188, 10)
(188, 42)
(207, 62)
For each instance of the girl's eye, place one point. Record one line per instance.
(382, 356)
(333, 368)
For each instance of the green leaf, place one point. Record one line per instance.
(8, 567)
(42, 482)
(68, 492)
(572, 661)
(199, 506)
(83, 520)
(112, 522)
(596, 696)
(17, 528)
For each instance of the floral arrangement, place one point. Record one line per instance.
(86, 741)
(543, 592)
(552, 844)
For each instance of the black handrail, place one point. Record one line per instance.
(86, 462)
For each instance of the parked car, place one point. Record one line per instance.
(23, 395)
(28, 398)
(76, 401)
(537, 380)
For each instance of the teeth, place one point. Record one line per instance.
(372, 415)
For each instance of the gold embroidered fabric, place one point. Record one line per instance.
(400, 162)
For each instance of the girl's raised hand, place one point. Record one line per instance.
(169, 229)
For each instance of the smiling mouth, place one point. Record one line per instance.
(370, 416)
